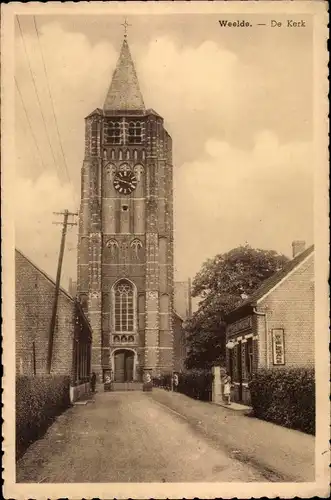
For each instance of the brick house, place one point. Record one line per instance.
(274, 327)
(72, 339)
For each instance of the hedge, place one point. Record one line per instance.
(285, 397)
(38, 400)
(196, 384)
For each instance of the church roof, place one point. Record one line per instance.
(124, 92)
(97, 111)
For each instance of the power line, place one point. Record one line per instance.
(51, 99)
(36, 91)
(30, 126)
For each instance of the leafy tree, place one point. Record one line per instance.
(222, 284)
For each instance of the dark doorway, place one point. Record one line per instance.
(123, 365)
(239, 372)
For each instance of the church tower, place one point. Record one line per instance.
(125, 248)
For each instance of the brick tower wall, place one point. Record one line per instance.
(106, 232)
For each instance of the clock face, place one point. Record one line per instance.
(125, 182)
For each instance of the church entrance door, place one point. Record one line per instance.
(123, 365)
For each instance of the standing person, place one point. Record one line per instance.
(175, 382)
(93, 381)
(227, 388)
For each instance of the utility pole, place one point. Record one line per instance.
(65, 225)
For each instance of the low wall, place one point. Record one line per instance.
(78, 391)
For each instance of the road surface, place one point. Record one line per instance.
(141, 437)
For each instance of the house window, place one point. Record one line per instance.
(232, 364)
(124, 305)
(135, 135)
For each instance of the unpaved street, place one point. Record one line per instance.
(137, 437)
(126, 437)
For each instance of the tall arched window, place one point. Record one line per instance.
(136, 246)
(113, 246)
(124, 303)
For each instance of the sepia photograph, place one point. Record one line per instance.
(165, 193)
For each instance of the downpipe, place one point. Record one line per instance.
(266, 332)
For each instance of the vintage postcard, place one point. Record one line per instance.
(165, 249)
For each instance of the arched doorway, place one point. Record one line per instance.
(124, 365)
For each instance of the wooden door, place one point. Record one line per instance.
(239, 368)
(119, 367)
(129, 366)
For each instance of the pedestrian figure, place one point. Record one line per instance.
(227, 388)
(175, 382)
(93, 381)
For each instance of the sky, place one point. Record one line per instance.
(237, 103)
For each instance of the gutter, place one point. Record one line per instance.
(266, 332)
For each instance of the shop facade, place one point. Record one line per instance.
(274, 328)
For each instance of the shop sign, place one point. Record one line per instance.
(238, 326)
(278, 348)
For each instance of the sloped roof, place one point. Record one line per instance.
(62, 290)
(269, 283)
(152, 111)
(124, 92)
(97, 111)
(43, 273)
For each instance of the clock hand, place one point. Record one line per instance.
(126, 182)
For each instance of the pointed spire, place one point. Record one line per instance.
(124, 92)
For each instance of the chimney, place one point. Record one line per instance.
(298, 246)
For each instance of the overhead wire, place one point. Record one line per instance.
(52, 101)
(30, 125)
(41, 109)
(36, 91)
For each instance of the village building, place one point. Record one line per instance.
(71, 347)
(274, 327)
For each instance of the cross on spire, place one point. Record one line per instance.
(126, 25)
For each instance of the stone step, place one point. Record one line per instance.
(127, 386)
